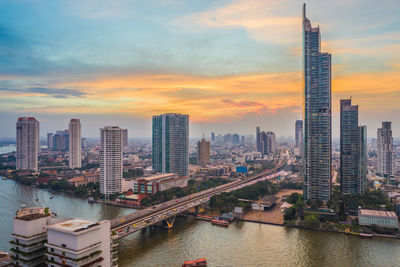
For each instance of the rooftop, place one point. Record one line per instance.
(158, 176)
(73, 225)
(29, 214)
(380, 213)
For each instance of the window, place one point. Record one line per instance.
(63, 245)
(52, 249)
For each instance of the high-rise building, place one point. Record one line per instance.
(235, 139)
(242, 139)
(258, 140)
(27, 144)
(213, 136)
(362, 160)
(61, 141)
(50, 141)
(266, 142)
(77, 242)
(124, 137)
(270, 143)
(352, 150)
(299, 135)
(386, 154)
(29, 236)
(111, 160)
(203, 153)
(316, 115)
(171, 143)
(75, 154)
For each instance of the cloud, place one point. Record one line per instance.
(53, 92)
(259, 18)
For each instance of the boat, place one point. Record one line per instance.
(37, 199)
(199, 262)
(365, 235)
(204, 217)
(90, 200)
(51, 197)
(219, 222)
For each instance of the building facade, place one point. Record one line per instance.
(316, 115)
(28, 144)
(29, 236)
(352, 150)
(75, 154)
(386, 155)
(77, 242)
(111, 160)
(171, 143)
(203, 153)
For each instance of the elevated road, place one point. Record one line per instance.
(166, 212)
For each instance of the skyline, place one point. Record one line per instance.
(239, 67)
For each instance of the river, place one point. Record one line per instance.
(242, 244)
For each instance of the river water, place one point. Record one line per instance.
(242, 244)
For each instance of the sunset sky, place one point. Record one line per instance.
(230, 65)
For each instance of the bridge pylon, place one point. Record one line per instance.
(169, 223)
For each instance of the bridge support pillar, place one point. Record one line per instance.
(169, 223)
(197, 209)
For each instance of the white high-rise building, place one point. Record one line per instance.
(27, 143)
(77, 242)
(110, 160)
(386, 154)
(75, 155)
(29, 235)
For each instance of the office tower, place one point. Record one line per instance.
(235, 139)
(50, 141)
(258, 140)
(110, 160)
(362, 160)
(242, 139)
(171, 143)
(213, 136)
(77, 242)
(27, 144)
(386, 154)
(299, 135)
(228, 138)
(124, 137)
(75, 155)
(203, 153)
(352, 150)
(29, 236)
(316, 115)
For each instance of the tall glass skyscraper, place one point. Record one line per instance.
(299, 135)
(353, 150)
(171, 143)
(316, 115)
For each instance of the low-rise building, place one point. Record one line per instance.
(77, 181)
(158, 182)
(77, 242)
(29, 236)
(387, 219)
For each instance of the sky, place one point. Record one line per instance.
(230, 65)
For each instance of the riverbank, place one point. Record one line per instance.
(274, 215)
(117, 204)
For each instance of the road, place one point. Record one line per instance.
(136, 221)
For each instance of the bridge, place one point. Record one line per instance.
(167, 212)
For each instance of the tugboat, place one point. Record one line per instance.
(199, 262)
(219, 222)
